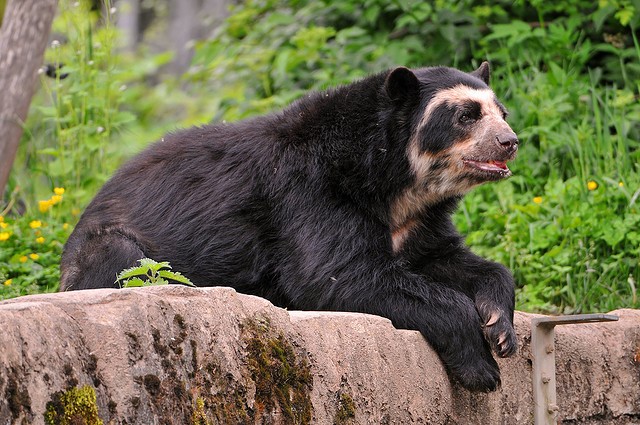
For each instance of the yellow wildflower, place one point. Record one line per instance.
(58, 190)
(537, 200)
(35, 224)
(4, 236)
(75, 211)
(65, 226)
(44, 205)
(8, 282)
(40, 239)
(3, 225)
(621, 184)
(34, 256)
(591, 185)
(1, 218)
(23, 259)
(55, 199)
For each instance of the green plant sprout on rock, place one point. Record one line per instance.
(150, 273)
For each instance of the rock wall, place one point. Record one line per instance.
(177, 355)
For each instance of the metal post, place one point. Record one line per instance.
(544, 362)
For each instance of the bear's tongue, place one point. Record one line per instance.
(490, 165)
(499, 164)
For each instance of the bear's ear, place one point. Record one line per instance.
(483, 72)
(401, 83)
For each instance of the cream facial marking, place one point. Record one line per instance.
(457, 95)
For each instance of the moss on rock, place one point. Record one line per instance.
(283, 380)
(281, 376)
(346, 410)
(75, 406)
(199, 416)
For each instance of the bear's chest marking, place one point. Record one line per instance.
(400, 235)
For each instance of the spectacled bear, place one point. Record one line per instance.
(342, 201)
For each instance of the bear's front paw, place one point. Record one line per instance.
(478, 373)
(467, 357)
(500, 334)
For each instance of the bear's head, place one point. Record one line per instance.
(459, 134)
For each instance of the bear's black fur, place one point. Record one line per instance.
(340, 202)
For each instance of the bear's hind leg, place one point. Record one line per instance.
(94, 260)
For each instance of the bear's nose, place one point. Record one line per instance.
(508, 141)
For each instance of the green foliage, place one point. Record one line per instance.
(575, 249)
(269, 52)
(153, 272)
(569, 72)
(66, 146)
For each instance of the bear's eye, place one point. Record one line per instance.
(467, 118)
(469, 112)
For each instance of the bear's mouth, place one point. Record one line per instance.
(493, 169)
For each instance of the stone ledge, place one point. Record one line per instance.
(180, 355)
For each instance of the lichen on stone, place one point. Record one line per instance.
(73, 406)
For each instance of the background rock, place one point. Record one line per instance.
(177, 355)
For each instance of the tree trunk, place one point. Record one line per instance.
(183, 27)
(23, 39)
(192, 20)
(128, 20)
